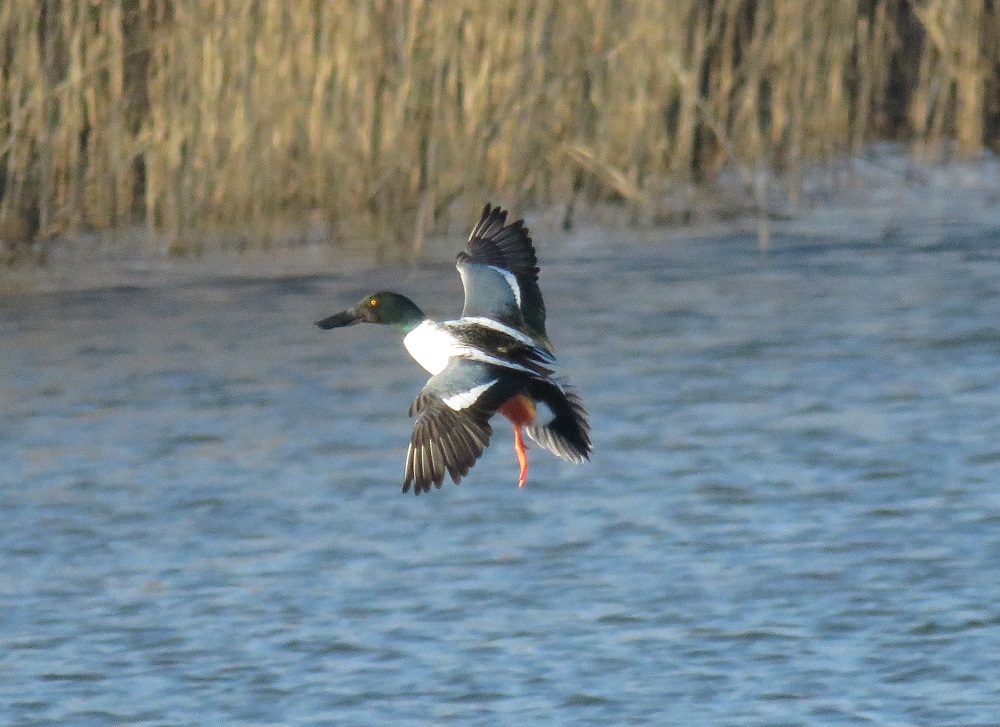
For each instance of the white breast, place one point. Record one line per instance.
(431, 346)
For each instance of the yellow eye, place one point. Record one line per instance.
(373, 302)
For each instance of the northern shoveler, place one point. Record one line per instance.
(495, 358)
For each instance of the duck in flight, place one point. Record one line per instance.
(495, 358)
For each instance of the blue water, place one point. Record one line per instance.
(792, 515)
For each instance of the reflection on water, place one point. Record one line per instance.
(791, 516)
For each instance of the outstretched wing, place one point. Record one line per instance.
(452, 428)
(500, 274)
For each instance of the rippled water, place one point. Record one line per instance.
(792, 516)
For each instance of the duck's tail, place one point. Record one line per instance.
(567, 432)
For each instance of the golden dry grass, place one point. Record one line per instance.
(382, 117)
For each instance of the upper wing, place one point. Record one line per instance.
(500, 274)
(452, 427)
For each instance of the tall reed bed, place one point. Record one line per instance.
(381, 117)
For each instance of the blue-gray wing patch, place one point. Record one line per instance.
(491, 292)
(500, 273)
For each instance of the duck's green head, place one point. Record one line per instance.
(384, 307)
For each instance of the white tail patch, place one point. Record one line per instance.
(465, 399)
(543, 414)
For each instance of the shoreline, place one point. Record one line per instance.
(882, 196)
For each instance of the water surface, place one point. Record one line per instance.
(792, 516)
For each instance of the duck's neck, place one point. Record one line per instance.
(410, 324)
(404, 313)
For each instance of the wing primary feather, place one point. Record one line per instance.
(429, 477)
(462, 446)
(424, 466)
(451, 454)
(418, 463)
(408, 472)
(437, 462)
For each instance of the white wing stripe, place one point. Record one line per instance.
(503, 328)
(475, 354)
(511, 281)
(465, 399)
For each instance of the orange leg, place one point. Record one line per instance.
(522, 456)
(520, 410)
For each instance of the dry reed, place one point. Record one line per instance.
(382, 117)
